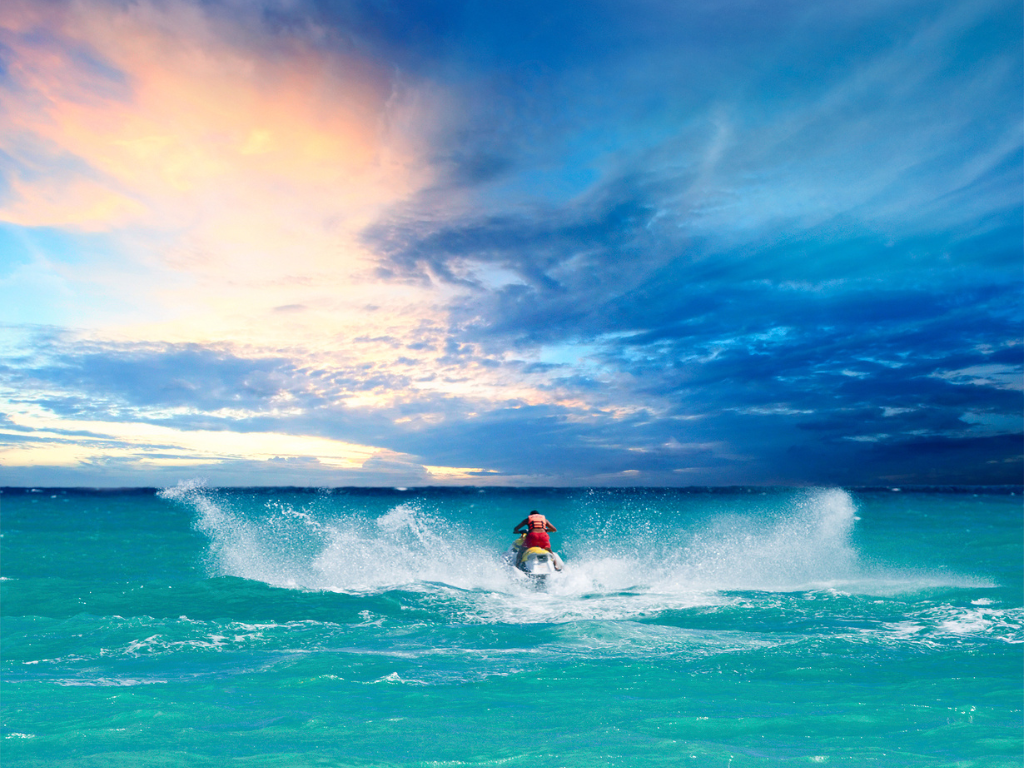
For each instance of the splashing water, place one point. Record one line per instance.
(641, 562)
(404, 547)
(806, 545)
(270, 548)
(315, 548)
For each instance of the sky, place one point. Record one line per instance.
(402, 243)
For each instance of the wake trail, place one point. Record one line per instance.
(793, 542)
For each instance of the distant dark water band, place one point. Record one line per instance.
(465, 490)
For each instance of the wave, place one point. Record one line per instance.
(640, 562)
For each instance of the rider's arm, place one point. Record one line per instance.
(516, 529)
(549, 527)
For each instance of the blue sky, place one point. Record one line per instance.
(369, 243)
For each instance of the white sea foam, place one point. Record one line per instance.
(940, 624)
(793, 543)
(108, 682)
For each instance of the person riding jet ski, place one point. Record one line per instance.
(537, 527)
(536, 536)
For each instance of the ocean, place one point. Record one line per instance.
(195, 626)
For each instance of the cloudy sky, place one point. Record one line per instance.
(390, 242)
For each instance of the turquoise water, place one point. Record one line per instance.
(359, 627)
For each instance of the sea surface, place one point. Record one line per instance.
(194, 626)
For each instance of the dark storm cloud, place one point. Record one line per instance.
(878, 364)
(808, 257)
(807, 142)
(608, 240)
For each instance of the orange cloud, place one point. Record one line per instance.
(245, 160)
(77, 203)
(171, 106)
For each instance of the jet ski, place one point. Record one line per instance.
(535, 562)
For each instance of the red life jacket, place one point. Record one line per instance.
(536, 522)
